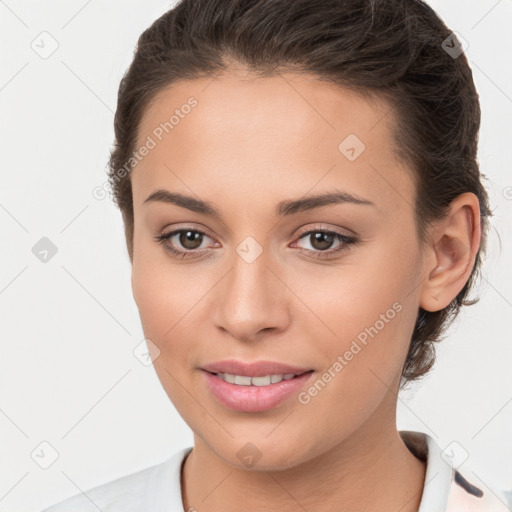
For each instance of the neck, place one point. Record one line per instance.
(372, 470)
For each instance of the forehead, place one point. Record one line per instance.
(301, 104)
(288, 130)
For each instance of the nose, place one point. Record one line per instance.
(251, 300)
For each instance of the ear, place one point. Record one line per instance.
(452, 247)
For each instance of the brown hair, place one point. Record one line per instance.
(396, 49)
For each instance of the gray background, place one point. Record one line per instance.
(68, 326)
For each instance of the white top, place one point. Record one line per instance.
(157, 488)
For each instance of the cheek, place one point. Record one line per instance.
(165, 298)
(370, 309)
(170, 299)
(162, 298)
(151, 298)
(166, 308)
(158, 291)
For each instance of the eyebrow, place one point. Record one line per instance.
(283, 208)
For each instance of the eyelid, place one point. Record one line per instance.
(184, 227)
(346, 239)
(326, 227)
(298, 233)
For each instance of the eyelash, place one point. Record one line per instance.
(347, 241)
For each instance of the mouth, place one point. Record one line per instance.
(263, 380)
(255, 393)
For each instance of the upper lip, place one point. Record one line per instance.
(255, 369)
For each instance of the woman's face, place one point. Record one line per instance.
(330, 289)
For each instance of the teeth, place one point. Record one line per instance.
(243, 380)
(228, 377)
(261, 381)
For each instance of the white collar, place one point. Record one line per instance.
(446, 489)
(438, 475)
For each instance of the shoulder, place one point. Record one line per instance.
(470, 494)
(451, 485)
(131, 493)
(123, 493)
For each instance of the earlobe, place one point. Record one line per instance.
(455, 242)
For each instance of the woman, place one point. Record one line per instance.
(305, 216)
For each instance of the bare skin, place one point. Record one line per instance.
(247, 145)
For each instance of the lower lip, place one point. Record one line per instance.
(254, 398)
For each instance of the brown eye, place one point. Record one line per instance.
(322, 243)
(321, 240)
(190, 239)
(184, 243)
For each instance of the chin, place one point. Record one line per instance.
(261, 453)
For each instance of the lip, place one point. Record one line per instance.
(254, 369)
(254, 398)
